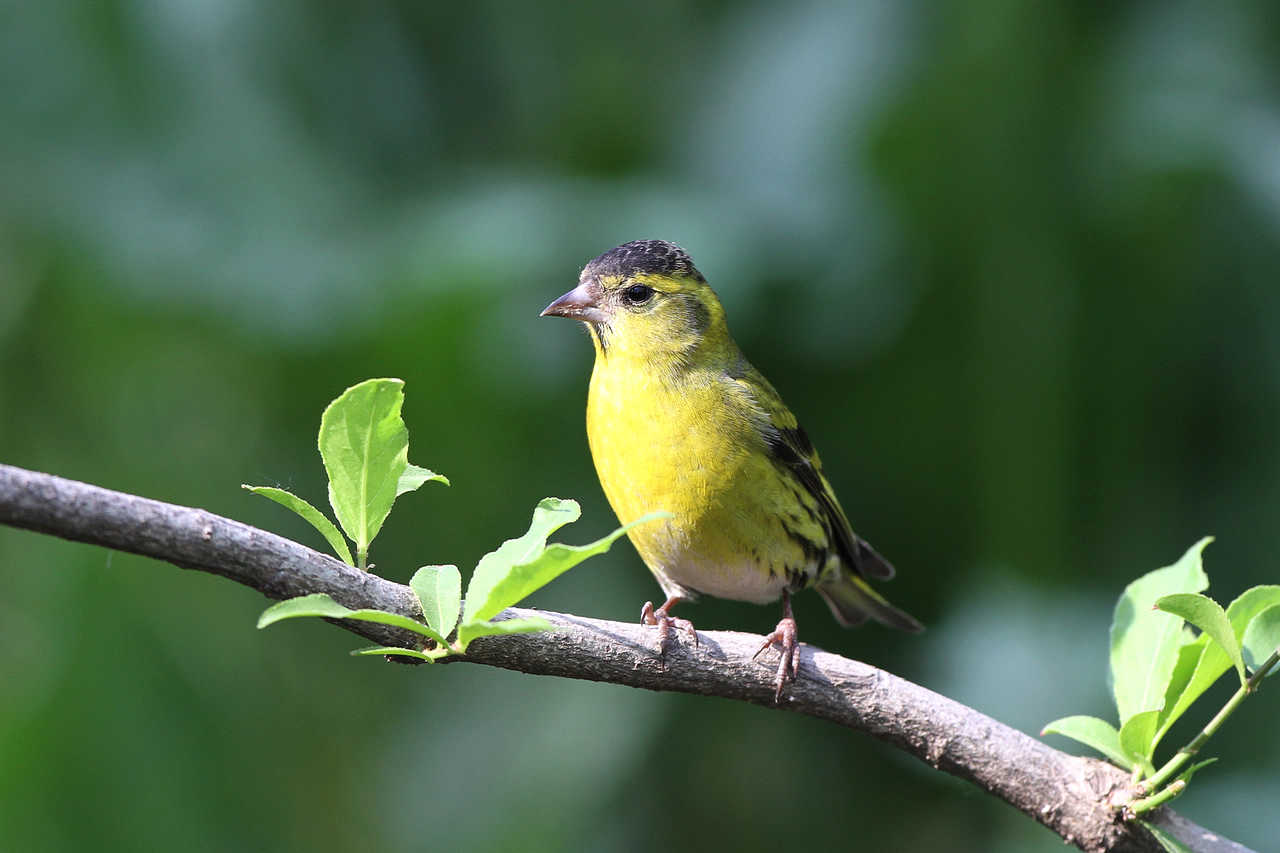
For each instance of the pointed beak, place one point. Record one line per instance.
(578, 304)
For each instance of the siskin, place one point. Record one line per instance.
(678, 420)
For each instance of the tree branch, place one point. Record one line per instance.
(1065, 793)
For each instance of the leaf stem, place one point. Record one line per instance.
(1143, 806)
(1175, 764)
(362, 557)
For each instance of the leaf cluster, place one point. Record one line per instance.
(365, 448)
(1169, 644)
(364, 445)
(502, 579)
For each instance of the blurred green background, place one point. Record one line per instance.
(1014, 265)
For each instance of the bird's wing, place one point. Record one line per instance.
(795, 456)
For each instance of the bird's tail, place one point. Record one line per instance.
(852, 601)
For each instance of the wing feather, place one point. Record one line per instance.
(796, 457)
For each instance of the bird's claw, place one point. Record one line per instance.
(665, 622)
(785, 637)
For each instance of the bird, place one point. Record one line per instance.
(679, 420)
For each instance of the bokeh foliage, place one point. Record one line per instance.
(1014, 265)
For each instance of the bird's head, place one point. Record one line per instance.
(645, 299)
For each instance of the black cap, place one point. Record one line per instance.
(644, 256)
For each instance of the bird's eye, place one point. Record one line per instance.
(638, 294)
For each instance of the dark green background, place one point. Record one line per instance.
(1014, 265)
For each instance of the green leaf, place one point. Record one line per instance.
(1092, 732)
(548, 516)
(1200, 663)
(310, 513)
(1183, 671)
(1207, 660)
(365, 447)
(321, 605)
(439, 591)
(1249, 604)
(524, 625)
(1262, 638)
(430, 657)
(1144, 642)
(1207, 615)
(523, 578)
(1210, 661)
(414, 476)
(1167, 841)
(1137, 737)
(316, 604)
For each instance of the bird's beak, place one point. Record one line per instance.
(578, 304)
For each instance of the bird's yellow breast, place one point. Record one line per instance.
(689, 442)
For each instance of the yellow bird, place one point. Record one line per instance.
(678, 420)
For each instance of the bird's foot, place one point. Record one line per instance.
(665, 622)
(784, 636)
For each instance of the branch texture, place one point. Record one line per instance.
(1065, 793)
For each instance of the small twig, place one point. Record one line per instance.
(1183, 755)
(1155, 801)
(1065, 793)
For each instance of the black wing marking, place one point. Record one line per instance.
(792, 450)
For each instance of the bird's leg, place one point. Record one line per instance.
(785, 636)
(662, 618)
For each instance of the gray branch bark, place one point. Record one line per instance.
(1066, 793)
